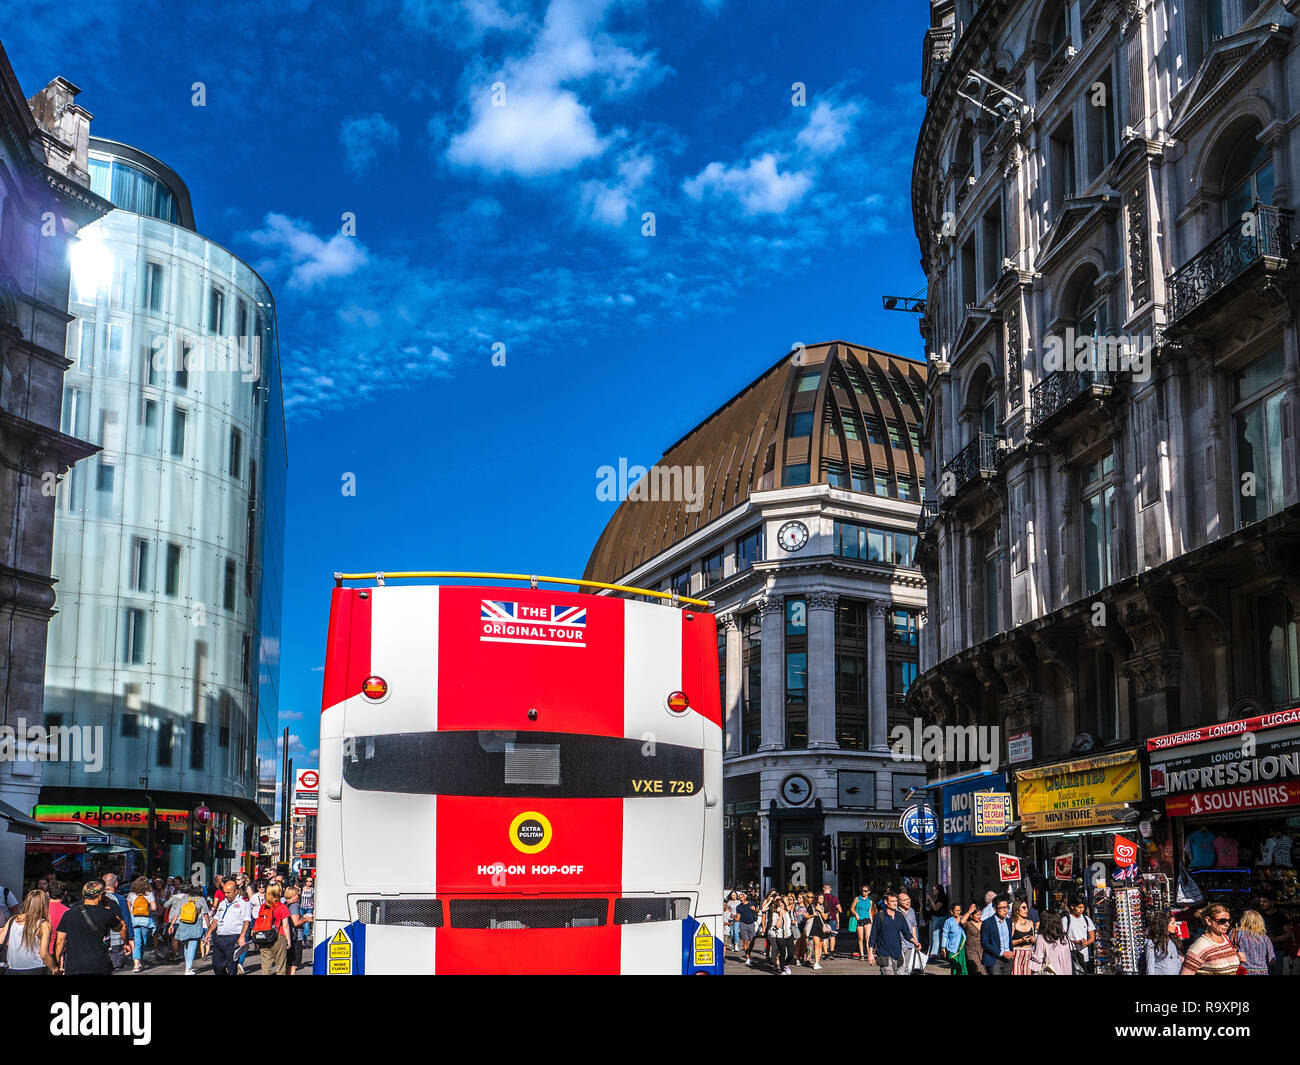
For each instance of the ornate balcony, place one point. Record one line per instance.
(928, 516)
(977, 461)
(1230, 256)
(1066, 391)
(1095, 17)
(1053, 69)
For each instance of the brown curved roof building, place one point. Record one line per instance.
(833, 413)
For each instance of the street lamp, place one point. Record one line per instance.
(148, 826)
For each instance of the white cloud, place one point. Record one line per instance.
(364, 137)
(828, 127)
(466, 21)
(541, 126)
(609, 202)
(759, 186)
(540, 132)
(290, 715)
(310, 259)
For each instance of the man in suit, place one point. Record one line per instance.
(995, 938)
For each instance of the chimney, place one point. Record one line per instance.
(65, 129)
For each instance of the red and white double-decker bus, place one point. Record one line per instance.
(518, 780)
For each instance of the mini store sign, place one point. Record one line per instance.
(1090, 791)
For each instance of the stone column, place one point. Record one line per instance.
(772, 610)
(877, 695)
(821, 669)
(731, 707)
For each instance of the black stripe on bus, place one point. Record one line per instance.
(514, 764)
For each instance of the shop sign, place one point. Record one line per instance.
(1063, 867)
(1089, 791)
(1265, 759)
(121, 816)
(959, 807)
(1008, 868)
(992, 813)
(1225, 729)
(880, 824)
(1126, 851)
(1020, 747)
(1233, 800)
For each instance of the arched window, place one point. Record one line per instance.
(1090, 314)
(1247, 177)
(1058, 30)
(989, 408)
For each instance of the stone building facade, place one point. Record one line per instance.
(45, 199)
(803, 538)
(1103, 193)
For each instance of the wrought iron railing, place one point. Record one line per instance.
(1264, 232)
(1094, 17)
(928, 516)
(1061, 387)
(1048, 75)
(978, 457)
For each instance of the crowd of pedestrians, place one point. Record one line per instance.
(1005, 935)
(172, 919)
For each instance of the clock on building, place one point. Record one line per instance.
(796, 789)
(792, 535)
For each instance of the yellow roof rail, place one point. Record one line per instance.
(532, 578)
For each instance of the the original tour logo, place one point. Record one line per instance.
(530, 832)
(563, 626)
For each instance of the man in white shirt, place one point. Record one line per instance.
(1079, 929)
(987, 912)
(229, 929)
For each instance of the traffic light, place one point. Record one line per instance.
(827, 845)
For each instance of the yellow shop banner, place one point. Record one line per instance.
(1079, 794)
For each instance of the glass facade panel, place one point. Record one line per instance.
(141, 644)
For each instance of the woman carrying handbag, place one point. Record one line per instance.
(1051, 955)
(1024, 937)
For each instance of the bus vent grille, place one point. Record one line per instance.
(529, 913)
(414, 913)
(649, 910)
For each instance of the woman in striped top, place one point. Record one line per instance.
(1213, 954)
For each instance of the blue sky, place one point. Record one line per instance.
(478, 225)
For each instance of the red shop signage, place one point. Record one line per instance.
(1226, 728)
(1230, 800)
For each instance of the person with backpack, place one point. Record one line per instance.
(8, 903)
(82, 937)
(142, 905)
(25, 939)
(299, 924)
(114, 900)
(190, 923)
(228, 929)
(271, 933)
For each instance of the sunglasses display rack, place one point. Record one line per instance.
(1127, 933)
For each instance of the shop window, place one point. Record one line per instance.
(1259, 400)
(751, 704)
(851, 678)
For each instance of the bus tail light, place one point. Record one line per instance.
(678, 703)
(374, 687)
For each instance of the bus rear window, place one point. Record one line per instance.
(522, 764)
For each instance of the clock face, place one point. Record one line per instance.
(796, 789)
(792, 535)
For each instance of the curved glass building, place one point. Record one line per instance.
(168, 543)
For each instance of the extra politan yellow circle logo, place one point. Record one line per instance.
(530, 832)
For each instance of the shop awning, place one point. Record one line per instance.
(17, 821)
(961, 778)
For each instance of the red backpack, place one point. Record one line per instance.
(264, 931)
